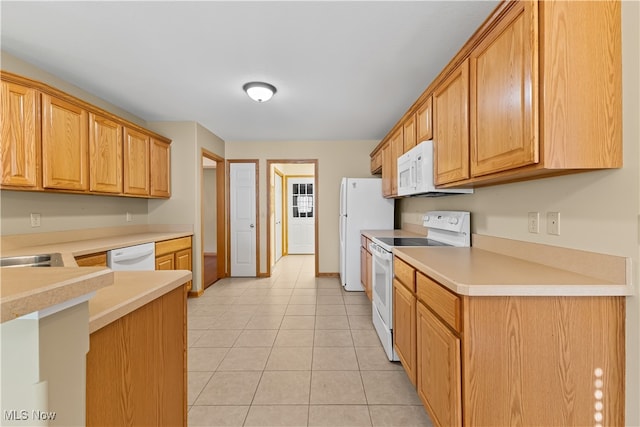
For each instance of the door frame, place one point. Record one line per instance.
(256, 162)
(270, 210)
(221, 209)
(283, 204)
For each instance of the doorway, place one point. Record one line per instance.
(212, 218)
(292, 211)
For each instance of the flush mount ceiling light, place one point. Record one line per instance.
(259, 91)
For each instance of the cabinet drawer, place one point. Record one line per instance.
(174, 245)
(92, 260)
(443, 302)
(405, 273)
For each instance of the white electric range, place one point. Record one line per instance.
(444, 228)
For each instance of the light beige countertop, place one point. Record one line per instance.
(130, 291)
(478, 272)
(94, 245)
(25, 290)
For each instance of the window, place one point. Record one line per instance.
(302, 201)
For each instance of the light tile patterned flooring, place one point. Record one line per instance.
(292, 350)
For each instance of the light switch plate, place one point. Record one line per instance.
(35, 220)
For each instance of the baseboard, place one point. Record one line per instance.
(337, 275)
(195, 294)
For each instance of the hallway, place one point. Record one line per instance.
(292, 350)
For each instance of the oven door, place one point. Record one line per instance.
(382, 286)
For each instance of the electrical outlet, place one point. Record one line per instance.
(35, 220)
(129, 217)
(534, 222)
(553, 223)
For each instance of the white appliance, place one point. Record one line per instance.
(133, 258)
(444, 228)
(415, 173)
(362, 207)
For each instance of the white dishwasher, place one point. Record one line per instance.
(133, 258)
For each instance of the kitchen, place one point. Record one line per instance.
(590, 203)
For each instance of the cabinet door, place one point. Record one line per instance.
(183, 262)
(165, 262)
(363, 267)
(404, 328)
(160, 168)
(136, 162)
(105, 152)
(424, 126)
(504, 95)
(19, 130)
(65, 145)
(376, 163)
(439, 369)
(397, 145)
(386, 169)
(451, 127)
(409, 134)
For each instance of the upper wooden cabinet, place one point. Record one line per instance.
(535, 92)
(424, 126)
(451, 127)
(376, 162)
(392, 149)
(19, 128)
(160, 167)
(105, 152)
(54, 142)
(65, 145)
(409, 133)
(504, 99)
(136, 162)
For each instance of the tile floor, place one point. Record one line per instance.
(292, 350)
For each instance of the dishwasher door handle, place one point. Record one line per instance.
(131, 256)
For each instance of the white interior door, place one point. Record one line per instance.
(242, 189)
(278, 217)
(301, 212)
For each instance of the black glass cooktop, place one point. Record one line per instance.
(410, 241)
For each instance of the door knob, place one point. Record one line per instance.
(252, 226)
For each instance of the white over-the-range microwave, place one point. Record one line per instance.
(415, 173)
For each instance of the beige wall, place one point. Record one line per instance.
(599, 210)
(336, 159)
(184, 206)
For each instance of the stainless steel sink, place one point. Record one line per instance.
(44, 260)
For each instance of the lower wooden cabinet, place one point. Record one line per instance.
(438, 369)
(404, 328)
(510, 360)
(175, 254)
(136, 367)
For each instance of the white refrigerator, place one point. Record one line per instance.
(362, 207)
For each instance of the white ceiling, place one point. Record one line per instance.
(344, 69)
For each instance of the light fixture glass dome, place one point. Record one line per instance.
(259, 91)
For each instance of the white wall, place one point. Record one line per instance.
(336, 159)
(599, 210)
